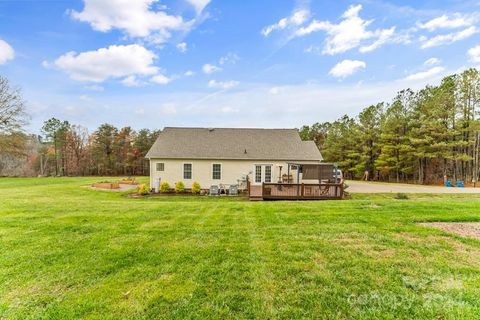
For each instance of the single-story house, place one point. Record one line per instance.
(227, 156)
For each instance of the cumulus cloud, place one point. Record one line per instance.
(182, 47)
(423, 75)
(348, 33)
(6, 52)
(347, 68)
(297, 18)
(112, 62)
(229, 58)
(445, 39)
(131, 81)
(222, 84)
(474, 54)
(161, 79)
(189, 73)
(457, 20)
(137, 19)
(383, 36)
(210, 68)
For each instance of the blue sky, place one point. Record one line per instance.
(148, 63)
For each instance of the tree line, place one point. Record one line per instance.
(425, 136)
(65, 149)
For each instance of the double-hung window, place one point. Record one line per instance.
(160, 166)
(216, 171)
(187, 171)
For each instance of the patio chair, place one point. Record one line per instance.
(460, 184)
(233, 190)
(214, 190)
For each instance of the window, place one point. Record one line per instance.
(187, 171)
(268, 174)
(216, 171)
(258, 174)
(160, 166)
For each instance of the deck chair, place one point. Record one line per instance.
(214, 190)
(460, 184)
(448, 184)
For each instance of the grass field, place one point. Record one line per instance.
(68, 252)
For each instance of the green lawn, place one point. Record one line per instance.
(68, 252)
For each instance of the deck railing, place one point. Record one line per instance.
(302, 191)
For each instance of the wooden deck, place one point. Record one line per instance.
(299, 191)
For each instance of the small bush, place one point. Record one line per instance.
(179, 187)
(164, 187)
(143, 190)
(401, 196)
(196, 188)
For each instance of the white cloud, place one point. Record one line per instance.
(104, 63)
(445, 22)
(84, 97)
(210, 68)
(6, 52)
(182, 47)
(383, 36)
(136, 18)
(139, 111)
(95, 88)
(423, 75)
(222, 84)
(189, 73)
(348, 33)
(199, 5)
(168, 109)
(297, 18)
(230, 58)
(432, 62)
(161, 79)
(131, 81)
(449, 38)
(229, 110)
(474, 54)
(274, 90)
(347, 68)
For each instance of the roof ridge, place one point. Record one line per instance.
(229, 128)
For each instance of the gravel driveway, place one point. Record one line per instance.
(375, 187)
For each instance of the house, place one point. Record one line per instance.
(227, 156)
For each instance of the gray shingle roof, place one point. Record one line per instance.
(231, 143)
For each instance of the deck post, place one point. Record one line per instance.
(303, 190)
(263, 189)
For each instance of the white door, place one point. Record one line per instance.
(263, 173)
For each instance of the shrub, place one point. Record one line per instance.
(196, 188)
(164, 187)
(179, 187)
(143, 190)
(401, 196)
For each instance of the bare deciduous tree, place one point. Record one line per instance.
(12, 108)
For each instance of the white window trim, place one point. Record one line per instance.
(262, 165)
(156, 166)
(183, 170)
(221, 171)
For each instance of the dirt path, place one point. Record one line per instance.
(374, 187)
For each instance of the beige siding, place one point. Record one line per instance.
(232, 171)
